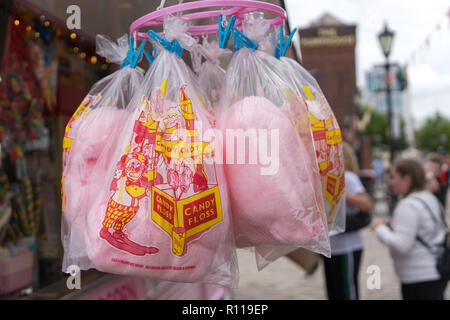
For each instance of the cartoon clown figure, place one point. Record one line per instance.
(130, 186)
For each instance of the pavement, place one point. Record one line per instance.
(285, 280)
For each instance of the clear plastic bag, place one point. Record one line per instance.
(312, 112)
(96, 121)
(327, 142)
(211, 75)
(163, 211)
(277, 203)
(324, 128)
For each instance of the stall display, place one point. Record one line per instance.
(162, 164)
(153, 186)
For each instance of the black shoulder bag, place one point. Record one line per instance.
(443, 258)
(357, 221)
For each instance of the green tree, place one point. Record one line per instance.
(377, 127)
(378, 130)
(434, 135)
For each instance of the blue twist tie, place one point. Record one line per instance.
(133, 57)
(241, 40)
(173, 46)
(224, 34)
(280, 50)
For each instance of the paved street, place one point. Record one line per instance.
(284, 280)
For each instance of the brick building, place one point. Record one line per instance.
(328, 52)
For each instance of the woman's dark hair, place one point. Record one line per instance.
(414, 169)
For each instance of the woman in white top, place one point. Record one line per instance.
(341, 270)
(417, 214)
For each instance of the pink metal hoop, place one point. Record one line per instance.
(236, 7)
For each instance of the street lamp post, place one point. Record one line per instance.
(386, 38)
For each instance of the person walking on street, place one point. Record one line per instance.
(341, 270)
(416, 216)
(433, 171)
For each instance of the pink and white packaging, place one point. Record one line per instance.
(211, 75)
(90, 133)
(312, 107)
(162, 212)
(277, 201)
(327, 141)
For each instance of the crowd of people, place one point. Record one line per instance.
(414, 233)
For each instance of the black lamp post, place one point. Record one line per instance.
(386, 38)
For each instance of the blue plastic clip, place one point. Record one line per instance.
(224, 34)
(173, 46)
(280, 50)
(149, 57)
(133, 57)
(241, 40)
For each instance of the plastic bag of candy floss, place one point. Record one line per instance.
(267, 42)
(163, 213)
(326, 153)
(327, 142)
(271, 171)
(211, 75)
(323, 127)
(90, 132)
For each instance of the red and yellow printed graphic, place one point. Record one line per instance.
(164, 160)
(134, 176)
(82, 111)
(180, 150)
(335, 189)
(328, 145)
(185, 218)
(298, 116)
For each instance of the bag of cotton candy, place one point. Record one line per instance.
(269, 161)
(95, 123)
(163, 211)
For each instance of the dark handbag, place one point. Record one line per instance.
(357, 221)
(443, 255)
(443, 262)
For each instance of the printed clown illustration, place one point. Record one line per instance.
(135, 174)
(164, 161)
(124, 203)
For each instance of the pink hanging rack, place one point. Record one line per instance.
(234, 7)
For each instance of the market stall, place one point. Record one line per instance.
(43, 77)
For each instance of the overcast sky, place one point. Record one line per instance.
(412, 21)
